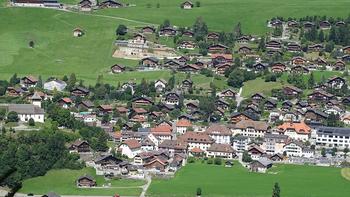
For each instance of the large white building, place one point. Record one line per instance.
(130, 148)
(199, 140)
(333, 137)
(251, 128)
(297, 149)
(27, 111)
(220, 133)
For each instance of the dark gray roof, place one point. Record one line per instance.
(334, 131)
(25, 109)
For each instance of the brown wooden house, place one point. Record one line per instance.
(86, 181)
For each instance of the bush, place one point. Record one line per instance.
(198, 4)
(191, 160)
(210, 161)
(12, 117)
(217, 161)
(31, 122)
(199, 191)
(121, 30)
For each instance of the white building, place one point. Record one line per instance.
(220, 133)
(251, 128)
(296, 131)
(130, 148)
(297, 149)
(240, 143)
(333, 137)
(274, 143)
(55, 85)
(182, 126)
(197, 140)
(221, 150)
(28, 111)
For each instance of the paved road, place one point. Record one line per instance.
(145, 187)
(239, 98)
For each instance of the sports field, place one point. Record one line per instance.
(63, 182)
(295, 181)
(223, 14)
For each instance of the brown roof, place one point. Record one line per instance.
(300, 128)
(218, 129)
(196, 150)
(196, 137)
(132, 143)
(162, 128)
(183, 123)
(140, 110)
(225, 148)
(122, 109)
(258, 125)
(66, 100)
(173, 144)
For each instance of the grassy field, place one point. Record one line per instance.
(295, 181)
(259, 85)
(345, 172)
(63, 183)
(224, 14)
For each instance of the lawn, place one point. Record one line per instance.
(224, 14)
(259, 85)
(63, 183)
(218, 181)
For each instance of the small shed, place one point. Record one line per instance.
(77, 32)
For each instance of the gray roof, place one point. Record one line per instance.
(265, 161)
(334, 131)
(25, 109)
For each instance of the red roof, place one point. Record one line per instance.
(300, 128)
(162, 128)
(226, 56)
(183, 123)
(66, 100)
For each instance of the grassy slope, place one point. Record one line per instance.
(223, 14)
(63, 182)
(295, 181)
(259, 85)
(345, 172)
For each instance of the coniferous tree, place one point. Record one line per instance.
(276, 190)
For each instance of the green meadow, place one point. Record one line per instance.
(224, 14)
(63, 182)
(294, 181)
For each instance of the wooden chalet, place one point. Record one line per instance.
(243, 39)
(187, 5)
(261, 165)
(346, 58)
(320, 62)
(218, 58)
(291, 91)
(86, 105)
(110, 4)
(108, 161)
(315, 48)
(286, 105)
(270, 104)
(276, 22)
(142, 101)
(239, 116)
(222, 104)
(80, 146)
(217, 48)
(15, 92)
(325, 25)
(308, 25)
(117, 68)
(313, 115)
(298, 61)
(244, 50)
(188, 33)
(340, 23)
(278, 67)
(336, 82)
(292, 24)
(221, 68)
(293, 47)
(320, 95)
(183, 59)
(172, 63)
(257, 97)
(299, 70)
(167, 31)
(339, 65)
(148, 30)
(273, 44)
(28, 81)
(85, 5)
(346, 50)
(186, 45)
(189, 68)
(86, 181)
(149, 62)
(259, 67)
(212, 36)
(228, 93)
(172, 98)
(186, 84)
(105, 109)
(80, 91)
